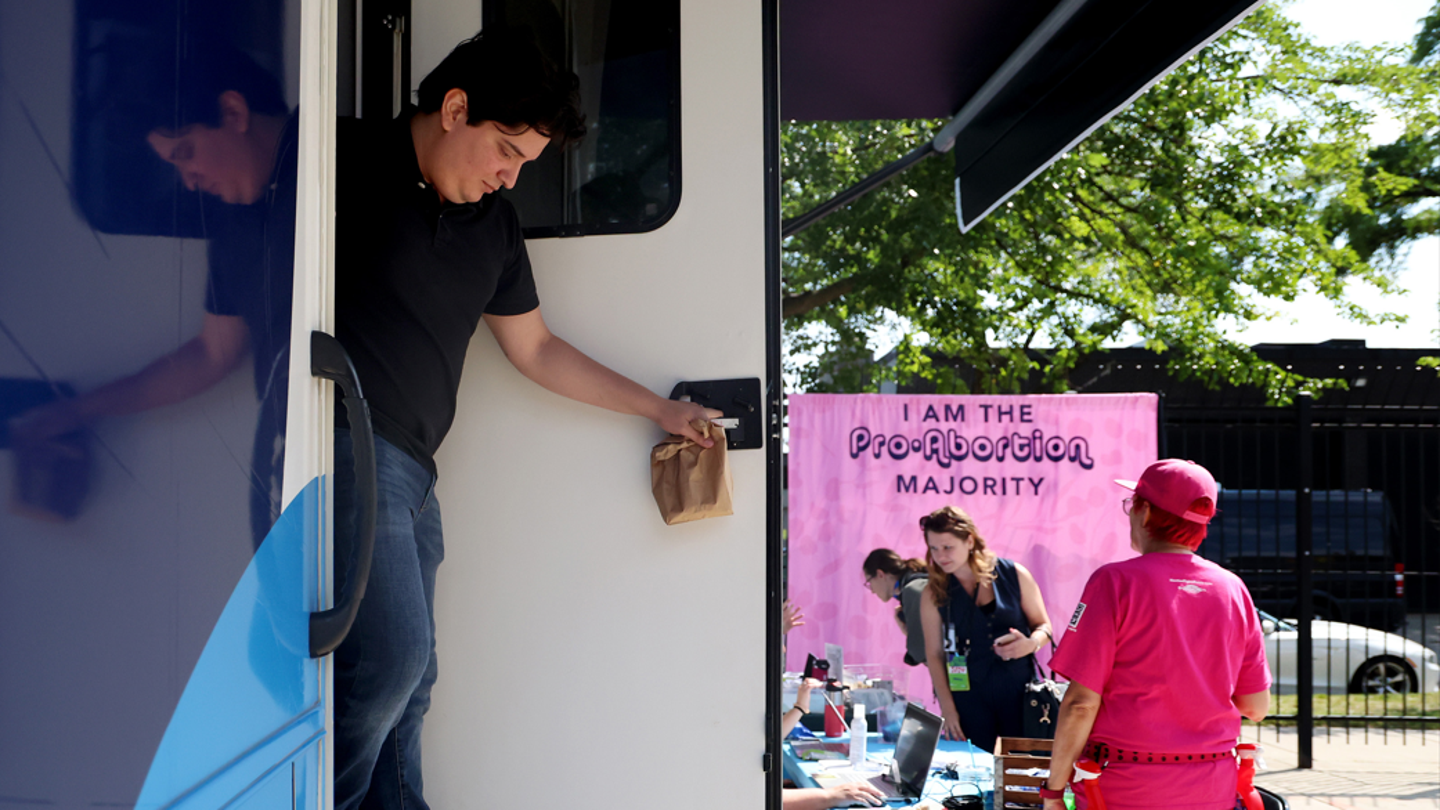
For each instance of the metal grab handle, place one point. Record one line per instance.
(329, 361)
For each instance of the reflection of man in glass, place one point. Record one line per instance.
(225, 127)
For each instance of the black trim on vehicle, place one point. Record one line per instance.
(774, 406)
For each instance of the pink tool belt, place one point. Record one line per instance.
(1104, 753)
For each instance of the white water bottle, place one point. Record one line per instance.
(858, 729)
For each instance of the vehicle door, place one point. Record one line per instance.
(159, 557)
(1280, 640)
(573, 625)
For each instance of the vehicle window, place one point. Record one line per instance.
(1354, 523)
(1252, 524)
(624, 177)
(1261, 523)
(1281, 626)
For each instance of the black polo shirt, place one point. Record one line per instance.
(252, 261)
(251, 254)
(412, 277)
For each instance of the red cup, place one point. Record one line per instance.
(834, 720)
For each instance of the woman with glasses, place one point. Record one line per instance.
(1164, 655)
(983, 619)
(890, 576)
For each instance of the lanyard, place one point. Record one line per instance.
(951, 646)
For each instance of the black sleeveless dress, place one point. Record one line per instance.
(991, 707)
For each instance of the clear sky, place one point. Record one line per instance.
(1311, 319)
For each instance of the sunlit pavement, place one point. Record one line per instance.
(1358, 769)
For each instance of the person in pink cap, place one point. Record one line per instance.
(1164, 655)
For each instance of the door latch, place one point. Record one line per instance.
(740, 402)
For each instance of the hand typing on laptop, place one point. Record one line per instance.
(849, 794)
(861, 786)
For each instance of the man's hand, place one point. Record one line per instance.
(675, 417)
(845, 794)
(42, 424)
(1054, 804)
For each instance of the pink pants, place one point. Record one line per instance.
(1146, 786)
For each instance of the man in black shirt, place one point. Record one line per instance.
(424, 252)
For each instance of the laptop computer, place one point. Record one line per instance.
(914, 751)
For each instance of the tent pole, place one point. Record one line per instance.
(790, 227)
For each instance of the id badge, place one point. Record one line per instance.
(959, 674)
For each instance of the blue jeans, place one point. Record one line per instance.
(384, 669)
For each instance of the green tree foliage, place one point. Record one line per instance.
(1402, 179)
(1245, 177)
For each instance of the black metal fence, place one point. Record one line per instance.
(1331, 513)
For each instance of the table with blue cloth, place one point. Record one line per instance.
(975, 768)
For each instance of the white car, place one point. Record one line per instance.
(1350, 658)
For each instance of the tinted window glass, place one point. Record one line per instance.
(1255, 523)
(624, 177)
(148, 153)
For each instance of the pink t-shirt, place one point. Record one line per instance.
(1166, 640)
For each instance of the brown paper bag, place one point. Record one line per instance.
(691, 482)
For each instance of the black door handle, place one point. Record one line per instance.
(738, 399)
(329, 361)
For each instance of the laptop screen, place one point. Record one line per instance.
(915, 748)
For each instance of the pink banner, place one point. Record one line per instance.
(1036, 472)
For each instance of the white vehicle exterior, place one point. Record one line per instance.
(1349, 658)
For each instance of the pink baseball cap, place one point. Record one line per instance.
(1174, 484)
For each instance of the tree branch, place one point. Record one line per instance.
(801, 303)
(1125, 234)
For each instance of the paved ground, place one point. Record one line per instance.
(1379, 772)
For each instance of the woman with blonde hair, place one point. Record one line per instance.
(984, 618)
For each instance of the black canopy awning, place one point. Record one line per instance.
(1024, 81)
